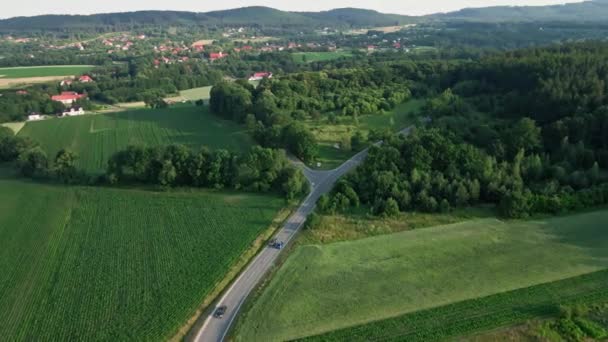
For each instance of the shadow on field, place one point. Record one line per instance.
(588, 231)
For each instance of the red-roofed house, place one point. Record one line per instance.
(199, 47)
(67, 97)
(21, 92)
(215, 56)
(66, 83)
(247, 48)
(85, 79)
(258, 76)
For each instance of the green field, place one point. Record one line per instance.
(202, 93)
(334, 286)
(309, 57)
(329, 134)
(483, 314)
(44, 71)
(96, 137)
(93, 264)
(196, 93)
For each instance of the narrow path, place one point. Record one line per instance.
(214, 329)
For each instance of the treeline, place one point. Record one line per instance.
(14, 105)
(139, 80)
(431, 171)
(259, 170)
(31, 160)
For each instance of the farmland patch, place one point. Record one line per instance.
(329, 287)
(103, 264)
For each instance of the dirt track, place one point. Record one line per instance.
(13, 82)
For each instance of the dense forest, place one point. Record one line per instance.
(526, 131)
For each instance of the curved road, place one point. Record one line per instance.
(214, 329)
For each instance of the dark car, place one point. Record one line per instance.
(220, 311)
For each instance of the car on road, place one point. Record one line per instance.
(274, 243)
(220, 311)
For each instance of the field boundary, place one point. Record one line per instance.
(235, 270)
(511, 308)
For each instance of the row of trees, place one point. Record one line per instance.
(260, 170)
(32, 162)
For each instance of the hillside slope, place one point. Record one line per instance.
(247, 16)
(587, 11)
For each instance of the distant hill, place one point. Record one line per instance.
(588, 11)
(360, 17)
(246, 16)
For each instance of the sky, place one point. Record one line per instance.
(410, 7)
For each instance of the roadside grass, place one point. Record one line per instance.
(331, 134)
(82, 263)
(44, 71)
(359, 224)
(456, 321)
(322, 288)
(96, 137)
(310, 57)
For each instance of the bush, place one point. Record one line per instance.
(313, 221)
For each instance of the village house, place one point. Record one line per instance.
(21, 92)
(215, 56)
(67, 97)
(66, 83)
(85, 79)
(73, 111)
(258, 76)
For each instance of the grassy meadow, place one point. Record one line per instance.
(96, 137)
(464, 321)
(329, 134)
(322, 288)
(309, 57)
(93, 264)
(44, 71)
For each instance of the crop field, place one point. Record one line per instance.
(96, 137)
(482, 314)
(194, 94)
(44, 71)
(202, 93)
(93, 264)
(309, 57)
(329, 134)
(322, 288)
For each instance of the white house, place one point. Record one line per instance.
(34, 117)
(74, 111)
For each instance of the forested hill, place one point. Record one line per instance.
(246, 16)
(587, 11)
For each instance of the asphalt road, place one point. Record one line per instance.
(214, 329)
